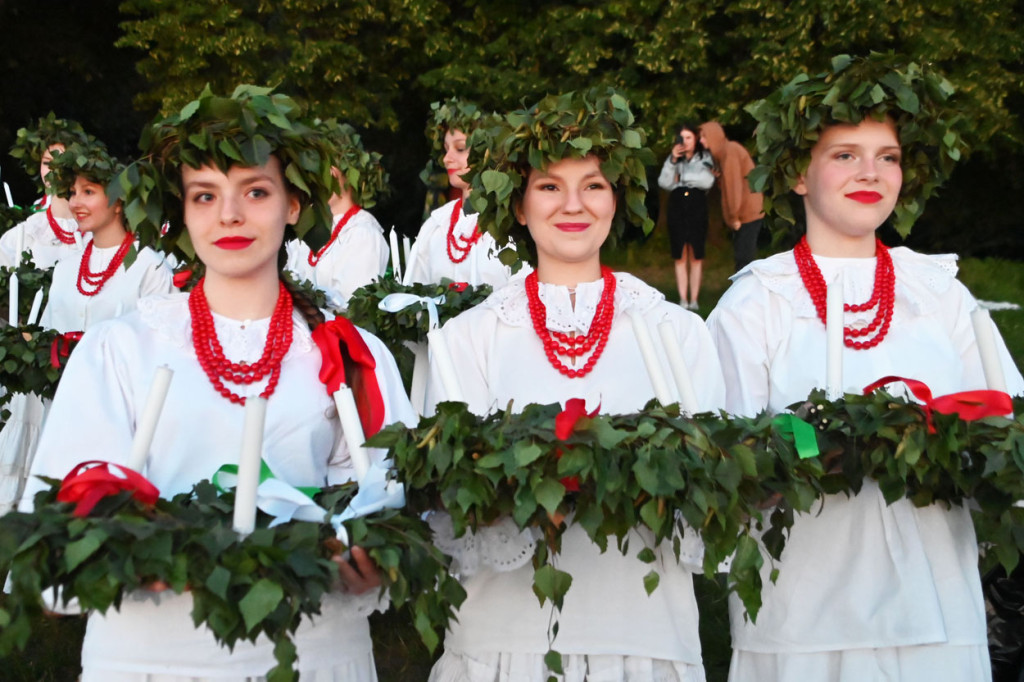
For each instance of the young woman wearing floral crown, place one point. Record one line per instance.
(111, 273)
(449, 244)
(356, 252)
(240, 332)
(865, 590)
(564, 332)
(50, 232)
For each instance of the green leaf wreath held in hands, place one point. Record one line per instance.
(242, 588)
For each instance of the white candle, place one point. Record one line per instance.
(654, 369)
(994, 378)
(37, 303)
(681, 374)
(7, 191)
(420, 370)
(20, 245)
(146, 425)
(445, 366)
(12, 300)
(396, 262)
(406, 249)
(834, 339)
(249, 465)
(352, 429)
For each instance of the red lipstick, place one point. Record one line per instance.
(865, 197)
(234, 243)
(572, 227)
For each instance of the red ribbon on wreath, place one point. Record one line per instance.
(341, 344)
(968, 405)
(62, 346)
(565, 424)
(91, 481)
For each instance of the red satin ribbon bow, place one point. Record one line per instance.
(62, 346)
(565, 424)
(338, 339)
(969, 405)
(180, 279)
(90, 482)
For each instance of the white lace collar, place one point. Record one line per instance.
(511, 306)
(169, 317)
(919, 277)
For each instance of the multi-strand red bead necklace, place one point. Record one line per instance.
(211, 355)
(458, 246)
(558, 343)
(65, 236)
(314, 258)
(90, 283)
(882, 295)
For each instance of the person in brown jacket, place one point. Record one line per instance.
(742, 210)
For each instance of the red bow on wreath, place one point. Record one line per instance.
(348, 360)
(969, 405)
(62, 346)
(91, 481)
(565, 424)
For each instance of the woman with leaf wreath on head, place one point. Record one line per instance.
(568, 175)
(866, 590)
(228, 170)
(103, 280)
(449, 244)
(356, 253)
(50, 232)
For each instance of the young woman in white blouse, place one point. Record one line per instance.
(687, 176)
(508, 348)
(239, 333)
(865, 590)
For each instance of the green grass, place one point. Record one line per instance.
(400, 656)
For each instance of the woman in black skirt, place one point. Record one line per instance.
(687, 175)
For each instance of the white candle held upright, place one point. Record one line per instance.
(249, 465)
(995, 380)
(654, 369)
(680, 372)
(146, 425)
(12, 300)
(7, 191)
(834, 338)
(445, 366)
(352, 429)
(406, 249)
(396, 257)
(37, 303)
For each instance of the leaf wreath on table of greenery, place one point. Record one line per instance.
(241, 588)
(931, 130)
(30, 280)
(570, 126)
(411, 323)
(668, 474)
(360, 170)
(32, 360)
(31, 143)
(245, 129)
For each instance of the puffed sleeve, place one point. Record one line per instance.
(418, 269)
(468, 337)
(737, 326)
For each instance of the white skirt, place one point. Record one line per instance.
(18, 440)
(922, 663)
(351, 671)
(509, 667)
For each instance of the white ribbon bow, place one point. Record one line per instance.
(393, 303)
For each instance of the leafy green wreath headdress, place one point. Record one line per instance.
(568, 126)
(31, 143)
(245, 129)
(453, 114)
(362, 170)
(913, 95)
(88, 159)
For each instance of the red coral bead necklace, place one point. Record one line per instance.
(558, 343)
(882, 295)
(64, 236)
(90, 283)
(314, 258)
(459, 246)
(211, 355)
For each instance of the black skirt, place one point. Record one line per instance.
(688, 220)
